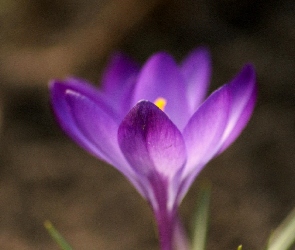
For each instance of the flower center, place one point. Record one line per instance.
(160, 102)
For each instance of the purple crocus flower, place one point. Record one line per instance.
(153, 124)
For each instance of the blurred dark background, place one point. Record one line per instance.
(44, 175)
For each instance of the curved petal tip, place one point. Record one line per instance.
(150, 141)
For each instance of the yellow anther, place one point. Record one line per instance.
(160, 103)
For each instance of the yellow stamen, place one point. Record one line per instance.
(160, 102)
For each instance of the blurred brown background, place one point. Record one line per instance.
(44, 175)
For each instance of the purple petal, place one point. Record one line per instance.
(196, 70)
(155, 149)
(87, 89)
(243, 92)
(118, 80)
(203, 133)
(151, 143)
(202, 136)
(217, 123)
(86, 118)
(160, 77)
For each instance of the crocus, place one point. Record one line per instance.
(153, 124)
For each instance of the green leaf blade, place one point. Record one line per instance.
(56, 236)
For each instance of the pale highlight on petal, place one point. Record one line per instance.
(243, 91)
(196, 71)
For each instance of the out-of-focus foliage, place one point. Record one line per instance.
(284, 236)
(201, 219)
